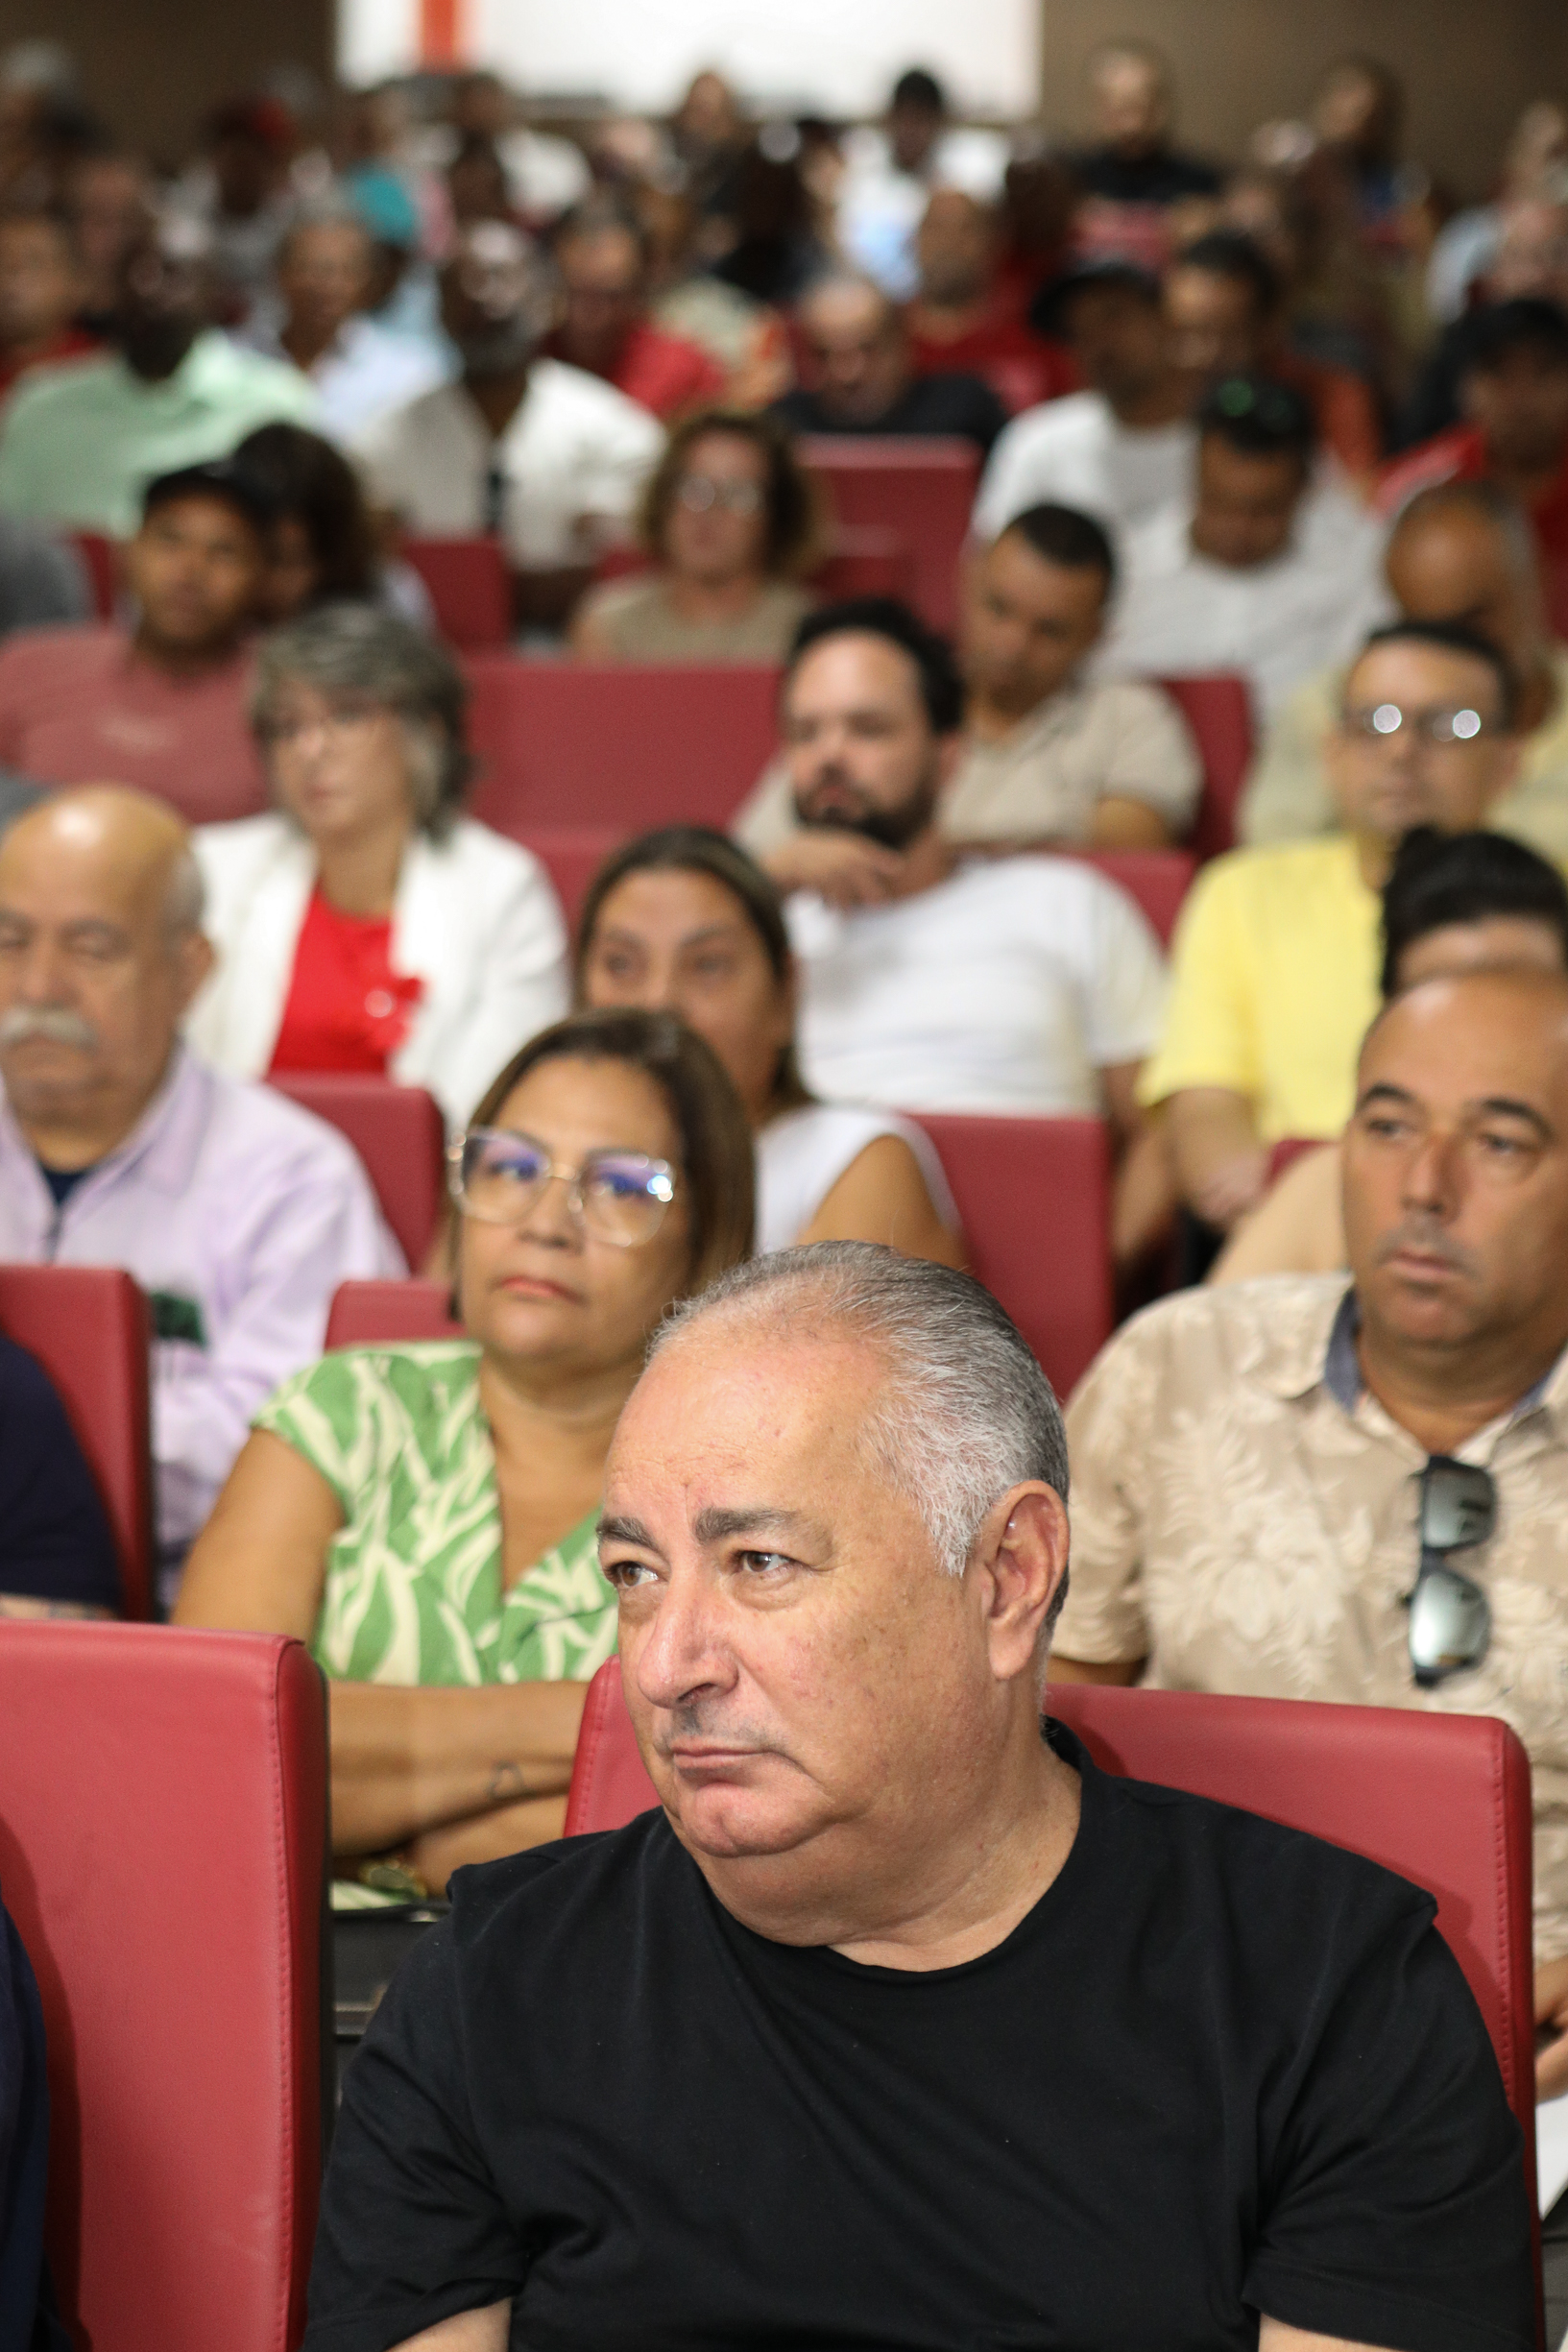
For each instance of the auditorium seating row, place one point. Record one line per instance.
(164, 1848)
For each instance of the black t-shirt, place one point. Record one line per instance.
(1164, 178)
(947, 403)
(1219, 2068)
(55, 1543)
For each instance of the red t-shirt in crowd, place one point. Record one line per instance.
(346, 1009)
(80, 706)
(660, 372)
(1460, 455)
(1022, 368)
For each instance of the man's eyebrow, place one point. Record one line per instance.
(716, 1523)
(615, 1530)
(1506, 1106)
(1384, 1091)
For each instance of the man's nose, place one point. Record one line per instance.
(1432, 1176)
(42, 976)
(680, 1652)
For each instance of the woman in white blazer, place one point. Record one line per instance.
(366, 925)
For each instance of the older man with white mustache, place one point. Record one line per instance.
(238, 1213)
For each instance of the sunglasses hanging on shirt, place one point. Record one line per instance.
(1451, 1618)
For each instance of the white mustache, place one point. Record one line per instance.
(52, 1022)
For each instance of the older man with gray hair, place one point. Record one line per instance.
(236, 1212)
(901, 2024)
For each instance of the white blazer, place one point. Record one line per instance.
(475, 918)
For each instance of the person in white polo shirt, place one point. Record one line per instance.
(544, 456)
(1025, 985)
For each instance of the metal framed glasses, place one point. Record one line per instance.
(1451, 1618)
(700, 492)
(1375, 724)
(496, 1175)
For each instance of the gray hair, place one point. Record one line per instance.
(184, 895)
(363, 649)
(965, 1412)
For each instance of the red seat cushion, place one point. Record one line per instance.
(398, 1132)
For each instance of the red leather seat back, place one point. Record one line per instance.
(622, 743)
(1219, 710)
(922, 488)
(468, 582)
(571, 859)
(868, 560)
(162, 1851)
(89, 1327)
(97, 555)
(1287, 1151)
(1035, 1199)
(381, 1314)
(1157, 878)
(398, 1132)
(1443, 1800)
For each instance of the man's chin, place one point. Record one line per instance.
(729, 1823)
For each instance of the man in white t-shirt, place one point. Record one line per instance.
(1267, 571)
(1118, 452)
(546, 456)
(1029, 985)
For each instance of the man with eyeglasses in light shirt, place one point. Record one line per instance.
(1303, 1486)
(1274, 963)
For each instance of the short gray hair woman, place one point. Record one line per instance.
(366, 925)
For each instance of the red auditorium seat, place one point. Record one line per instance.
(398, 1132)
(922, 488)
(1035, 1199)
(621, 743)
(1443, 1800)
(97, 553)
(571, 859)
(468, 582)
(380, 1314)
(163, 1852)
(1219, 710)
(1287, 1151)
(88, 1326)
(1158, 879)
(868, 560)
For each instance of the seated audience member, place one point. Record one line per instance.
(80, 443)
(1264, 570)
(682, 921)
(1274, 961)
(1284, 1565)
(747, 340)
(1133, 182)
(602, 254)
(1461, 553)
(1049, 755)
(546, 458)
(367, 924)
(42, 286)
(1514, 399)
(1466, 245)
(239, 1213)
(1224, 307)
(425, 1516)
(941, 1989)
(730, 521)
(864, 374)
(239, 193)
(56, 1555)
(1122, 450)
(1022, 985)
(889, 175)
(109, 197)
(160, 704)
(960, 319)
(358, 368)
(322, 544)
(1453, 902)
(1530, 263)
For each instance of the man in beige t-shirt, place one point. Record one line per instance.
(1249, 1465)
(1460, 552)
(1049, 758)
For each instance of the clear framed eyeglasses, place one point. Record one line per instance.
(1377, 721)
(496, 1175)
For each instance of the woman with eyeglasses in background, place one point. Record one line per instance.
(730, 521)
(366, 924)
(423, 1516)
(683, 921)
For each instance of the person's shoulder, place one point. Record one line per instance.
(484, 862)
(347, 1384)
(226, 362)
(560, 394)
(1274, 875)
(73, 651)
(62, 388)
(402, 427)
(1038, 890)
(257, 1128)
(25, 1389)
(1274, 1330)
(521, 1904)
(232, 852)
(1076, 416)
(1448, 454)
(617, 600)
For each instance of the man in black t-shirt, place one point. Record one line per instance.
(900, 2028)
(865, 374)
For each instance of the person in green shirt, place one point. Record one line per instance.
(425, 1514)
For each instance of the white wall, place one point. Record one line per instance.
(640, 54)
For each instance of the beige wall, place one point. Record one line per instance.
(1469, 65)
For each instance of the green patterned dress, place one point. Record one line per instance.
(413, 1591)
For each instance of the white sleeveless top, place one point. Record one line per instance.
(802, 1154)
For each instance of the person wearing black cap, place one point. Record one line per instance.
(1118, 451)
(157, 702)
(1513, 403)
(1267, 569)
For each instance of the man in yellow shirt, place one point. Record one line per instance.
(1275, 958)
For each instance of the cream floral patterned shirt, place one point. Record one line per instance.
(413, 1587)
(1245, 1518)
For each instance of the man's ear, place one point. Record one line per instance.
(1020, 1557)
(194, 958)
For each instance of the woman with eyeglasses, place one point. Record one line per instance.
(366, 924)
(683, 921)
(729, 523)
(423, 1516)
